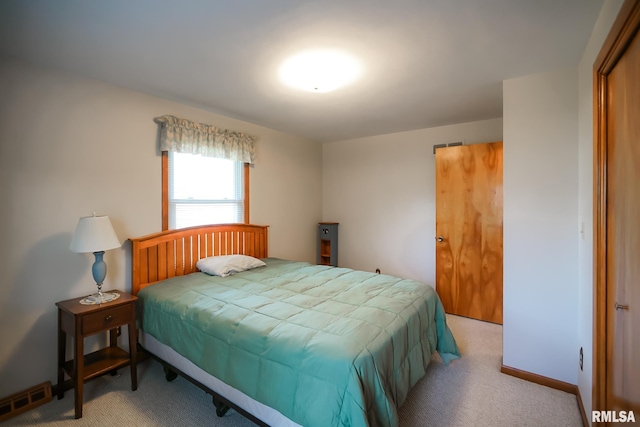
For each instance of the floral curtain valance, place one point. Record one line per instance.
(185, 136)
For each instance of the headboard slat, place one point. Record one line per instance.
(162, 261)
(153, 263)
(187, 254)
(171, 257)
(179, 270)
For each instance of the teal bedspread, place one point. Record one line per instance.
(324, 346)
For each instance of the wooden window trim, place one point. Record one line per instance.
(246, 193)
(165, 191)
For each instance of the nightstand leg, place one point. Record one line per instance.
(78, 358)
(62, 345)
(133, 350)
(113, 342)
(113, 337)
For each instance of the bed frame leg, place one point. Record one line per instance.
(169, 374)
(221, 408)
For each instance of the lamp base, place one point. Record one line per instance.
(100, 298)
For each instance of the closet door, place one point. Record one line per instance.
(617, 218)
(469, 230)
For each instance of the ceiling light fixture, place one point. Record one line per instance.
(319, 70)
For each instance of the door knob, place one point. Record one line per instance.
(440, 239)
(622, 307)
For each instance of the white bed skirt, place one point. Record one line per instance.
(268, 415)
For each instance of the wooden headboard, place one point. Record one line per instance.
(172, 253)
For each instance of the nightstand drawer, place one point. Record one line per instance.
(106, 319)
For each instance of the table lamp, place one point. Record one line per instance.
(95, 234)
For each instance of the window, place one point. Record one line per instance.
(201, 190)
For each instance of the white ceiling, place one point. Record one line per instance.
(426, 62)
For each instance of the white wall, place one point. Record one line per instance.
(381, 190)
(607, 15)
(540, 224)
(70, 146)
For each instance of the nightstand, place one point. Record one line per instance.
(80, 321)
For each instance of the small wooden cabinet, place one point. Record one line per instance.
(80, 321)
(328, 243)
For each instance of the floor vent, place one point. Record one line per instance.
(24, 400)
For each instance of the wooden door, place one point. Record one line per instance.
(469, 230)
(617, 218)
(623, 230)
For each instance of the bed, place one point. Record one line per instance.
(287, 343)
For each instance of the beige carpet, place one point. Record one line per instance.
(470, 391)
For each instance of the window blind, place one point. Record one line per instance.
(204, 190)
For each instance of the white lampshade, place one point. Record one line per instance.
(94, 234)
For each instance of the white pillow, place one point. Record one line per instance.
(226, 265)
